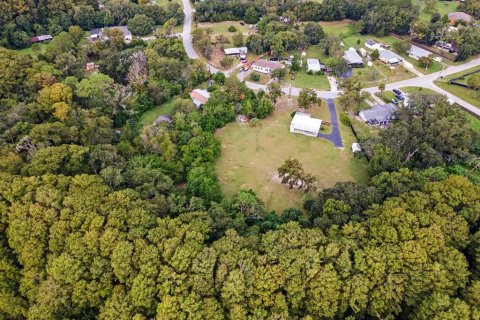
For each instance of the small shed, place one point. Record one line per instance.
(90, 66)
(304, 123)
(356, 147)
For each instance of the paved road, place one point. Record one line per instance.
(334, 136)
(425, 81)
(187, 30)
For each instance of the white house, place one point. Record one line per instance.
(240, 52)
(372, 44)
(417, 52)
(303, 123)
(314, 65)
(389, 57)
(265, 66)
(99, 34)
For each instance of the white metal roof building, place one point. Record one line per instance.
(235, 51)
(417, 52)
(352, 57)
(304, 123)
(389, 57)
(314, 65)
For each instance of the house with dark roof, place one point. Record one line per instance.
(265, 66)
(353, 58)
(379, 115)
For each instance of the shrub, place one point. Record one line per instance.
(255, 122)
(226, 62)
(255, 77)
(232, 29)
(345, 119)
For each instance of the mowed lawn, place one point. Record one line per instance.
(222, 28)
(443, 8)
(151, 115)
(469, 95)
(251, 156)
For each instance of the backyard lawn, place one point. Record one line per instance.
(251, 156)
(149, 117)
(341, 29)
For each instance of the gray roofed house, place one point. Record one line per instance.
(353, 58)
(98, 34)
(417, 52)
(389, 57)
(379, 114)
(162, 118)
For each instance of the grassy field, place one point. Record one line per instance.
(148, 117)
(29, 50)
(469, 95)
(443, 7)
(341, 29)
(474, 121)
(167, 2)
(416, 89)
(250, 158)
(222, 28)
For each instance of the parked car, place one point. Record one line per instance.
(274, 59)
(396, 91)
(394, 101)
(400, 97)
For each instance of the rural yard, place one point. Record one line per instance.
(251, 156)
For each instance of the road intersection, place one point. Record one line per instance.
(424, 81)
